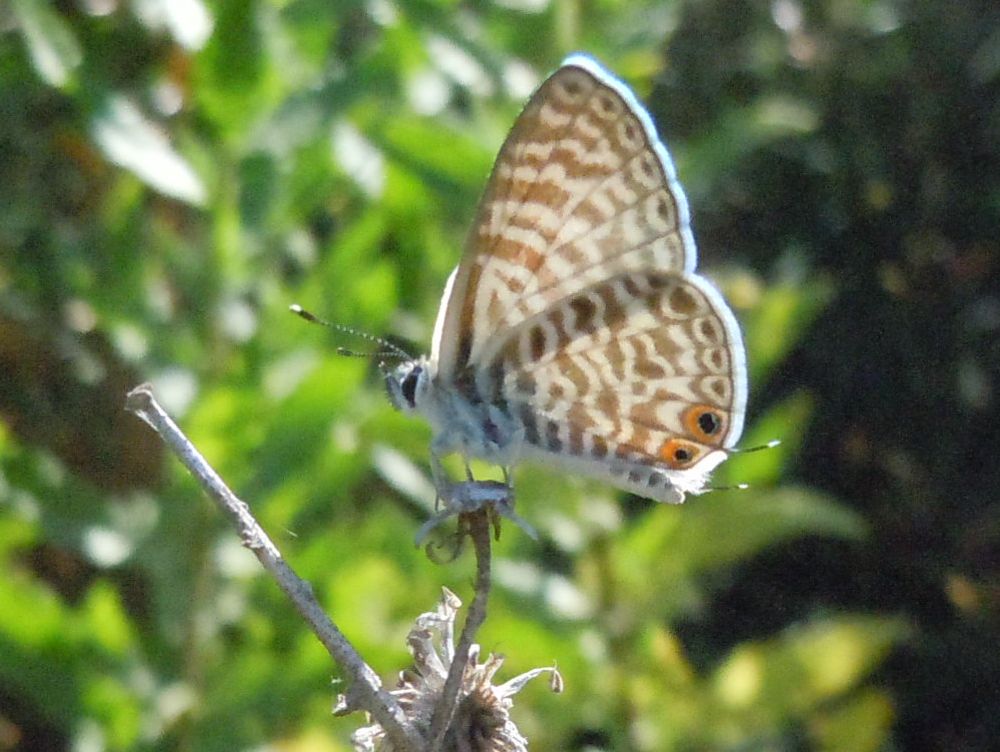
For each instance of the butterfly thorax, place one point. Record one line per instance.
(461, 419)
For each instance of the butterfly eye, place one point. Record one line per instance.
(678, 454)
(409, 386)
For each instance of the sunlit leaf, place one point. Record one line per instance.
(778, 322)
(762, 467)
(720, 530)
(189, 21)
(788, 675)
(55, 51)
(132, 141)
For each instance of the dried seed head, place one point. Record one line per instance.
(481, 722)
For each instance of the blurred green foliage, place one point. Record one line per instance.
(175, 173)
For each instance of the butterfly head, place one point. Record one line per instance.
(407, 384)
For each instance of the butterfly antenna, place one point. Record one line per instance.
(390, 349)
(351, 353)
(769, 445)
(744, 486)
(734, 487)
(348, 353)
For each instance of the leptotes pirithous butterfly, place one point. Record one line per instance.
(575, 331)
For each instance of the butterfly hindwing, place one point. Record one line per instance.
(641, 371)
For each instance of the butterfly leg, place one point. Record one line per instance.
(470, 495)
(466, 497)
(516, 440)
(439, 448)
(508, 480)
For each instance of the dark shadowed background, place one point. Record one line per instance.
(174, 174)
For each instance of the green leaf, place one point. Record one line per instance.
(785, 422)
(785, 677)
(778, 322)
(862, 723)
(716, 531)
(188, 21)
(132, 141)
(233, 68)
(54, 49)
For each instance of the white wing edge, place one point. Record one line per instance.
(736, 350)
(442, 314)
(675, 486)
(606, 77)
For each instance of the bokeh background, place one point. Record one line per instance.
(174, 173)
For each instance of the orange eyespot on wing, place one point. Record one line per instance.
(705, 423)
(679, 454)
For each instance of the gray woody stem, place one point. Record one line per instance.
(478, 526)
(365, 686)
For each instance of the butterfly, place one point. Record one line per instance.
(575, 331)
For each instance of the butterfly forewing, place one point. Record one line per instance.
(581, 191)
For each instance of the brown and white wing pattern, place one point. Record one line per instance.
(581, 191)
(575, 329)
(638, 379)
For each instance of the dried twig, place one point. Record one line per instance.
(478, 526)
(366, 687)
